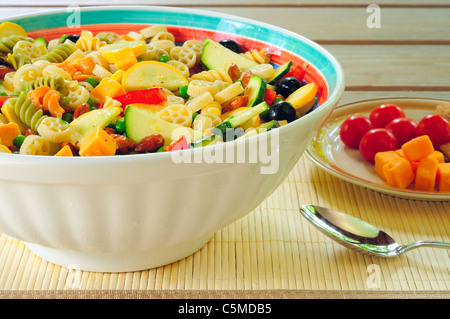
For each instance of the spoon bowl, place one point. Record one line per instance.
(358, 235)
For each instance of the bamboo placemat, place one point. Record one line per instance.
(272, 251)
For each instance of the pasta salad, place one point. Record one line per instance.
(139, 92)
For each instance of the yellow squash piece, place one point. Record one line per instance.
(149, 74)
(10, 28)
(98, 143)
(4, 149)
(303, 98)
(116, 51)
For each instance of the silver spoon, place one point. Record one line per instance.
(355, 234)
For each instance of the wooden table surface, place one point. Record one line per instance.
(407, 55)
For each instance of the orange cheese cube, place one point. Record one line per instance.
(417, 148)
(438, 156)
(65, 151)
(398, 173)
(98, 143)
(8, 133)
(426, 174)
(381, 159)
(443, 177)
(106, 87)
(127, 60)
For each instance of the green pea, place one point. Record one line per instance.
(3, 94)
(90, 101)
(91, 108)
(160, 150)
(120, 126)
(164, 58)
(194, 115)
(182, 91)
(18, 140)
(68, 117)
(92, 81)
(63, 37)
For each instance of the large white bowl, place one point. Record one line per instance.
(134, 212)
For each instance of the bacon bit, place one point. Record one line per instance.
(80, 110)
(29, 131)
(237, 102)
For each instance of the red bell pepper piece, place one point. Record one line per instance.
(180, 144)
(146, 96)
(3, 99)
(270, 96)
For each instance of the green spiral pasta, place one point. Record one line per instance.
(54, 82)
(7, 43)
(58, 54)
(17, 59)
(24, 108)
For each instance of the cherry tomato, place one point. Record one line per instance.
(377, 140)
(383, 114)
(436, 127)
(353, 129)
(403, 128)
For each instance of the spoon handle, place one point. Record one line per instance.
(424, 243)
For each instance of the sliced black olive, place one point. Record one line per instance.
(74, 37)
(282, 111)
(287, 86)
(231, 44)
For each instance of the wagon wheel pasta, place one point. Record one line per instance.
(54, 130)
(177, 114)
(184, 55)
(35, 145)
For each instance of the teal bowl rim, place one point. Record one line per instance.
(299, 45)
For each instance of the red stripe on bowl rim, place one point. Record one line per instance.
(181, 34)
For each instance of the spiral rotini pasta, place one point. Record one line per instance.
(18, 59)
(58, 54)
(7, 43)
(54, 82)
(25, 110)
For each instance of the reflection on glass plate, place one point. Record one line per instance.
(329, 153)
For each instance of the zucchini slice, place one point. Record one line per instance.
(256, 90)
(281, 71)
(215, 56)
